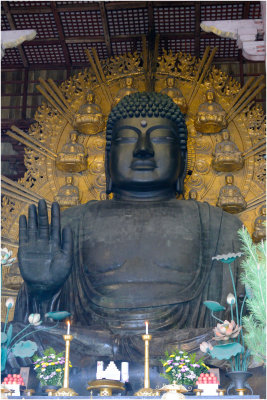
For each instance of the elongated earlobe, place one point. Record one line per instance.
(109, 185)
(180, 185)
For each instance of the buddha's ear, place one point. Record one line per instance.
(108, 177)
(109, 185)
(180, 185)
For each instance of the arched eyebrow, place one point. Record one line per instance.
(153, 128)
(133, 128)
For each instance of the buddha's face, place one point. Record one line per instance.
(90, 98)
(170, 82)
(210, 95)
(73, 137)
(263, 211)
(229, 179)
(144, 154)
(69, 180)
(225, 135)
(129, 81)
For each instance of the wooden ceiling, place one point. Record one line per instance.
(66, 28)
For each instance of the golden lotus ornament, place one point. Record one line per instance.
(173, 392)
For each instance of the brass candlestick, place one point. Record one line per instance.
(146, 390)
(66, 390)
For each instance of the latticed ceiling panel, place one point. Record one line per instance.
(254, 10)
(78, 55)
(45, 54)
(81, 23)
(122, 47)
(128, 22)
(43, 23)
(177, 45)
(4, 23)
(225, 47)
(174, 19)
(23, 4)
(212, 12)
(114, 28)
(13, 57)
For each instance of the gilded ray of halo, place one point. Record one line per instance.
(247, 96)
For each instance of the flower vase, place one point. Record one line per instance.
(238, 380)
(51, 387)
(190, 389)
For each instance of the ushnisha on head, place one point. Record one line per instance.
(148, 105)
(146, 144)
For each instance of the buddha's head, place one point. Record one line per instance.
(129, 81)
(90, 97)
(225, 135)
(73, 136)
(146, 144)
(69, 180)
(263, 210)
(210, 95)
(229, 179)
(170, 82)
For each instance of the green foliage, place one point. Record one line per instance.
(226, 350)
(253, 276)
(214, 306)
(182, 367)
(24, 348)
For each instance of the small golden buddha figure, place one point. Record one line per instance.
(68, 195)
(230, 198)
(259, 232)
(125, 91)
(175, 94)
(192, 195)
(89, 118)
(72, 157)
(211, 117)
(227, 156)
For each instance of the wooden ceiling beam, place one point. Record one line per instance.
(150, 12)
(104, 18)
(6, 8)
(61, 33)
(30, 10)
(246, 10)
(42, 10)
(122, 5)
(100, 39)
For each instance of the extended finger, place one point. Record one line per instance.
(23, 235)
(43, 220)
(67, 240)
(32, 223)
(55, 224)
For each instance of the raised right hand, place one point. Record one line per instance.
(45, 259)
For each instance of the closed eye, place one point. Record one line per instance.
(163, 139)
(125, 140)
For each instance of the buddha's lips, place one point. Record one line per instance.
(143, 165)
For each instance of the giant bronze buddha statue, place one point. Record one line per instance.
(144, 255)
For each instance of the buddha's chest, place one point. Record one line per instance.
(139, 240)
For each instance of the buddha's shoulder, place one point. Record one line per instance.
(76, 213)
(209, 212)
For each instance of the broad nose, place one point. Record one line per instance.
(144, 147)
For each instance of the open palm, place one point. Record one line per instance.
(45, 258)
